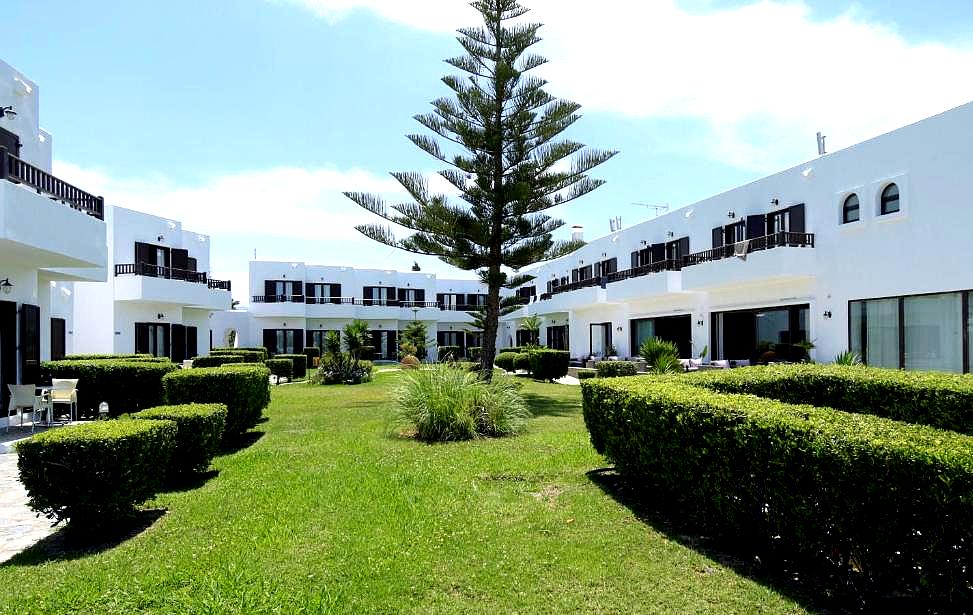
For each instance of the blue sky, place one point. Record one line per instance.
(245, 119)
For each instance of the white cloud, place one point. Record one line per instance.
(765, 76)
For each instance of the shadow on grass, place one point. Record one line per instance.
(194, 480)
(544, 405)
(70, 543)
(816, 593)
(238, 443)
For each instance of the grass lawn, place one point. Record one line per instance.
(325, 513)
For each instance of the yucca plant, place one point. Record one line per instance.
(661, 356)
(848, 357)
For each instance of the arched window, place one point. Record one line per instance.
(890, 199)
(851, 210)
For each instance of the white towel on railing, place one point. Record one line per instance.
(741, 248)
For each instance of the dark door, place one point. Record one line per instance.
(10, 141)
(679, 331)
(58, 339)
(8, 349)
(270, 341)
(141, 338)
(756, 226)
(192, 349)
(178, 343)
(180, 263)
(30, 344)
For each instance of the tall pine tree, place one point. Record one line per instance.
(502, 152)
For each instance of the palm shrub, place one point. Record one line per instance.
(358, 339)
(413, 339)
(444, 403)
(847, 357)
(661, 356)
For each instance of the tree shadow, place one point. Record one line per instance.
(542, 405)
(235, 444)
(818, 591)
(70, 543)
(188, 482)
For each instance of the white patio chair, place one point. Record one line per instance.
(22, 399)
(65, 391)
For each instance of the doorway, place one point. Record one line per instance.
(599, 339)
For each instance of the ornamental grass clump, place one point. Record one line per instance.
(443, 403)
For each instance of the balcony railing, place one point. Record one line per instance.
(170, 273)
(742, 248)
(15, 170)
(363, 302)
(277, 299)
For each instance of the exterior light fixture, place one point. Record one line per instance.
(8, 112)
(6, 286)
(775, 202)
(160, 315)
(160, 238)
(827, 314)
(731, 214)
(699, 323)
(670, 234)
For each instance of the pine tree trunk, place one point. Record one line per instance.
(491, 324)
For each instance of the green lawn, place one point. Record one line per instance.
(325, 513)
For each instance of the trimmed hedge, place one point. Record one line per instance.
(281, 368)
(215, 360)
(249, 356)
(505, 361)
(94, 474)
(928, 398)
(522, 361)
(258, 349)
(584, 373)
(101, 357)
(887, 502)
(549, 364)
(126, 385)
(612, 369)
(243, 389)
(451, 352)
(300, 364)
(199, 430)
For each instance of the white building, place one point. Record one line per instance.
(295, 305)
(160, 296)
(866, 249)
(51, 233)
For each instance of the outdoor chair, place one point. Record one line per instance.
(23, 399)
(65, 391)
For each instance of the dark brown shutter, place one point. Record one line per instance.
(401, 295)
(441, 338)
(141, 338)
(335, 293)
(192, 342)
(612, 266)
(298, 341)
(756, 226)
(270, 341)
(684, 247)
(178, 343)
(635, 259)
(575, 275)
(797, 218)
(30, 344)
(298, 290)
(11, 141)
(58, 339)
(192, 265)
(658, 252)
(309, 339)
(718, 237)
(166, 341)
(180, 262)
(8, 349)
(366, 294)
(421, 295)
(270, 291)
(441, 299)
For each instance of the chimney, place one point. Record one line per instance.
(577, 233)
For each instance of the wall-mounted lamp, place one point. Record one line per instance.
(699, 323)
(160, 315)
(604, 254)
(581, 262)
(731, 214)
(774, 202)
(827, 314)
(6, 286)
(645, 243)
(8, 112)
(160, 238)
(619, 329)
(670, 234)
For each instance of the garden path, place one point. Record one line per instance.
(20, 527)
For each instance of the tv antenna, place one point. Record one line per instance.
(658, 209)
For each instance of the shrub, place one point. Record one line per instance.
(300, 364)
(505, 361)
(661, 356)
(473, 353)
(444, 403)
(847, 358)
(815, 485)
(449, 353)
(612, 369)
(522, 361)
(258, 349)
(94, 474)
(928, 398)
(313, 354)
(126, 385)
(584, 373)
(367, 352)
(199, 430)
(98, 357)
(549, 364)
(342, 368)
(281, 368)
(243, 389)
(249, 355)
(410, 362)
(215, 360)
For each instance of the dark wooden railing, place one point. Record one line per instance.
(767, 242)
(18, 171)
(331, 300)
(362, 302)
(277, 299)
(170, 273)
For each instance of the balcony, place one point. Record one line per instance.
(771, 259)
(158, 284)
(17, 171)
(353, 307)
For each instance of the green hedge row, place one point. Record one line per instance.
(249, 355)
(94, 474)
(548, 364)
(243, 389)
(258, 349)
(505, 361)
(199, 430)
(891, 500)
(613, 369)
(101, 357)
(280, 368)
(929, 398)
(584, 373)
(126, 385)
(215, 360)
(300, 362)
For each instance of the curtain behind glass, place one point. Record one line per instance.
(644, 329)
(882, 333)
(855, 317)
(933, 339)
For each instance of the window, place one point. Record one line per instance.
(851, 210)
(933, 335)
(152, 338)
(890, 199)
(882, 333)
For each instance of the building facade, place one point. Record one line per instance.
(51, 234)
(160, 296)
(863, 249)
(295, 305)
